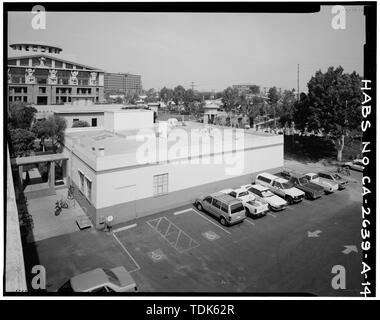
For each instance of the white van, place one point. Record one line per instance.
(281, 187)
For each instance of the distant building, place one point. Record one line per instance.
(123, 82)
(242, 88)
(40, 74)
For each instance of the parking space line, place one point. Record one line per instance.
(125, 228)
(250, 222)
(125, 249)
(182, 211)
(180, 233)
(211, 221)
(166, 233)
(272, 215)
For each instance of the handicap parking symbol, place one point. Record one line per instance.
(210, 235)
(157, 255)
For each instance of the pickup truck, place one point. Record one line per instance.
(328, 185)
(281, 187)
(254, 207)
(274, 202)
(333, 176)
(300, 181)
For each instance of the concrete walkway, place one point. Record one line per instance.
(46, 224)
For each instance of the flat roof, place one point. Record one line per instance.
(121, 147)
(77, 110)
(37, 159)
(128, 110)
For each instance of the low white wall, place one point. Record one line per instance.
(113, 185)
(127, 119)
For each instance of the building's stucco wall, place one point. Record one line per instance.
(180, 176)
(82, 117)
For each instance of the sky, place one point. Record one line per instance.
(213, 50)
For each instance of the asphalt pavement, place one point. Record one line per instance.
(184, 250)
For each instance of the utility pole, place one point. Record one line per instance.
(298, 82)
(192, 85)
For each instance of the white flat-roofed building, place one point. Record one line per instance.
(131, 173)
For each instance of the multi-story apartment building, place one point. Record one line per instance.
(123, 82)
(40, 74)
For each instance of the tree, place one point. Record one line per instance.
(254, 89)
(80, 124)
(131, 97)
(332, 105)
(195, 108)
(151, 95)
(230, 99)
(22, 141)
(20, 115)
(273, 99)
(53, 127)
(166, 94)
(192, 100)
(286, 110)
(178, 94)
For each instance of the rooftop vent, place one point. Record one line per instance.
(101, 152)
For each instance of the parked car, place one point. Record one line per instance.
(356, 164)
(274, 202)
(224, 207)
(328, 185)
(101, 280)
(312, 190)
(281, 187)
(333, 176)
(253, 207)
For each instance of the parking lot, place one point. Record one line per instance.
(186, 250)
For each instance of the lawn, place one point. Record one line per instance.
(315, 148)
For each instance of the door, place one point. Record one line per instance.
(215, 207)
(128, 209)
(207, 204)
(277, 189)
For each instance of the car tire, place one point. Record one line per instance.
(247, 212)
(223, 221)
(199, 207)
(289, 199)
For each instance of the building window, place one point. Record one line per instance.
(88, 188)
(75, 121)
(160, 184)
(94, 122)
(81, 178)
(42, 90)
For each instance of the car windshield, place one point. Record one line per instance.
(314, 177)
(303, 180)
(287, 185)
(243, 194)
(236, 208)
(111, 276)
(337, 176)
(267, 193)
